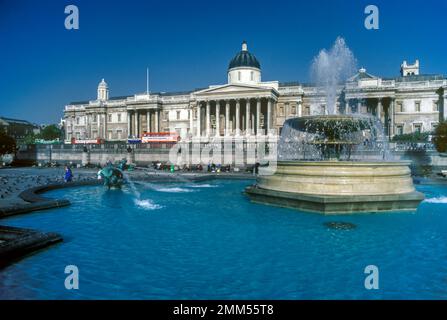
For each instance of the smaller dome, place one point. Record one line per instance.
(244, 59)
(103, 84)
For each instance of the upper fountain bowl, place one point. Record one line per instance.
(334, 137)
(332, 126)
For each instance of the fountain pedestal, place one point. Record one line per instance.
(338, 187)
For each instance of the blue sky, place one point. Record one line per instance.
(188, 44)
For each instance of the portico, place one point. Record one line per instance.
(235, 110)
(142, 119)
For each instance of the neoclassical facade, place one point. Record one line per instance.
(247, 106)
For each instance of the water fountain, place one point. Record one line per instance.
(112, 176)
(336, 163)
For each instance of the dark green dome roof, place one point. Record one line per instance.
(244, 59)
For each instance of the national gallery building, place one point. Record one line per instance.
(247, 106)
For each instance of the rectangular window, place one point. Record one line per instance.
(306, 110)
(399, 129)
(109, 118)
(77, 121)
(435, 106)
(119, 117)
(323, 109)
(417, 106)
(251, 76)
(178, 115)
(281, 111)
(119, 133)
(433, 126)
(399, 107)
(417, 127)
(95, 118)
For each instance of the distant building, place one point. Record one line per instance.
(18, 129)
(247, 106)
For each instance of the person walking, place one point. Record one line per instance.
(68, 176)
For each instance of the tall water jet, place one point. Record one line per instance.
(332, 68)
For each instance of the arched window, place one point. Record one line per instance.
(251, 76)
(239, 75)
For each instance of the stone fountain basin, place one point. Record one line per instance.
(340, 177)
(339, 186)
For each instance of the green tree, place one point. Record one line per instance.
(29, 139)
(50, 132)
(7, 144)
(440, 138)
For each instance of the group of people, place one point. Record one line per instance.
(211, 167)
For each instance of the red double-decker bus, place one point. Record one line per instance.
(86, 141)
(160, 137)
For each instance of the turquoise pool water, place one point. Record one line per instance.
(207, 241)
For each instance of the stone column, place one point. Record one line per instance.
(392, 116)
(198, 131)
(227, 117)
(218, 118)
(247, 118)
(191, 121)
(444, 105)
(379, 109)
(104, 129)
(208, 118)
(269, 115)
(157, 122)
(128, 123)
(148, 121)
(300, 108)
(347, 106)
(98, 124)
(258, 116)
(90, 129)
(238, 119)
(135, 131)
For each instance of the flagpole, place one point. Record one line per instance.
(147, 80)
